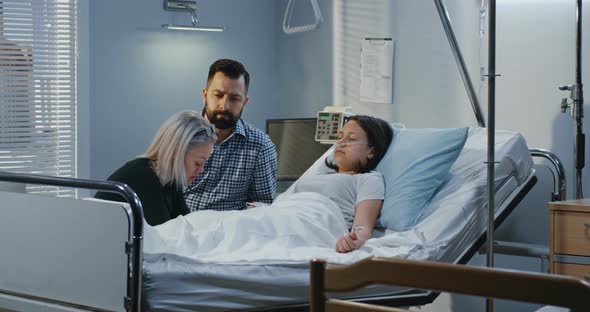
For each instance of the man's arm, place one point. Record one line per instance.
(264, 185)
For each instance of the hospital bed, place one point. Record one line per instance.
(94, 264)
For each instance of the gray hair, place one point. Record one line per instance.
(180, 133)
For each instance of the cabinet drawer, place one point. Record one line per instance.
(571, 234)
(575, 270)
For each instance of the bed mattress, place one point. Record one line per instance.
(455, 219)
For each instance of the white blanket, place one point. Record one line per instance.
(294, 229)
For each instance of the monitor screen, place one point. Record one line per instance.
(296, 146)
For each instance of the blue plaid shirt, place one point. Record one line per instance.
(241, 169)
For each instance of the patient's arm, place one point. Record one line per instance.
(365, 217)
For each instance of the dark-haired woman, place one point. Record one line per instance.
(354, 186)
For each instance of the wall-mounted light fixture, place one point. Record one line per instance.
(191, 7)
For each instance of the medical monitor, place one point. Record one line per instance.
(296, 146)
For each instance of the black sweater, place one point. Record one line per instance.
(160, 203)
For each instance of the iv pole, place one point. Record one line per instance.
(577, 107)
(445, 19)
(491, 138)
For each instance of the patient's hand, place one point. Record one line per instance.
(349, 242)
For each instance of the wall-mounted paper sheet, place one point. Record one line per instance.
(377, 70)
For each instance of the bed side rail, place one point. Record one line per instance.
(134, 248)
(555, 290)
(558, 194)
(559, 184)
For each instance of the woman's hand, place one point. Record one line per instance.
(349, 242)
(365, 216)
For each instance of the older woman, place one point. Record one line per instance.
(175, 157)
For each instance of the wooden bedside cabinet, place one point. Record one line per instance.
(570, 238)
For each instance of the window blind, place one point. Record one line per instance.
(353, 22)
(38, 89)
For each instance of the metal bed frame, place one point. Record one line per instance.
(133, 246)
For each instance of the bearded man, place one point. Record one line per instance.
(242, 168)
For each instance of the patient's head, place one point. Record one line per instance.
(361, 144)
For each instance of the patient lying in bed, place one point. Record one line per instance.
(351, 198)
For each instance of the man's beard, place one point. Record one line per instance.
(221, 119)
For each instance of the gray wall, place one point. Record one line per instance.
(140, 74)
(429, 90)
(534, 58)
(304, 68)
